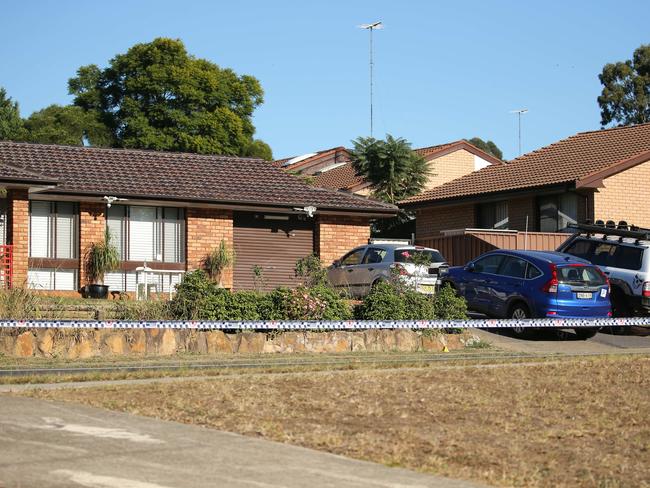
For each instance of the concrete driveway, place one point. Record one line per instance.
(50, 445)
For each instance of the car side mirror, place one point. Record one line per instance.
(470, 267)
(336, 263)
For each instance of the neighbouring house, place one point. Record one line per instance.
(166, 211)
(332, 168)
(603, 174)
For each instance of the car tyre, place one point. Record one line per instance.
(519, 311)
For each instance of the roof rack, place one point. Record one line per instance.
(631, 232)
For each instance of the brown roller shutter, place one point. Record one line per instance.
(274, 243)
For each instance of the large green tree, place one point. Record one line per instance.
(487, 146)
(625, 98)
(11, 125)
(67, 125)
(157, 96)
(391, 166)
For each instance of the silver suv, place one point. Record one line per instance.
(364, 266)
(622, 253)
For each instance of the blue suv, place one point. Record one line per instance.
(527, 284)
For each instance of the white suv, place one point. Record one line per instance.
(622, 253)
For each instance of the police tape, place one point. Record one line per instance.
(235, 325)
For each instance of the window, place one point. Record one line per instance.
(532, 272)
(556, 212)
(580, 249)
(3, 221)
(493, 215)
(148, 233)
(603, 253)
(53, 230)
(374, 255)
(353, 258)
(513, 267)
(406, 255)
(53, 246)
(488, 264)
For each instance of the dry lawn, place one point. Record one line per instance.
(573, 424)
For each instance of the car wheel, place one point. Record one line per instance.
(520, 312)
(584, 333)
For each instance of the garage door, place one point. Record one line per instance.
(271, 243)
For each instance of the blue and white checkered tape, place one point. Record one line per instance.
(325, 324)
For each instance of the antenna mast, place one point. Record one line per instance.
(371, 27)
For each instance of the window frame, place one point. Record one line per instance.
(363, 251)
(52, 261)
(127, 264)
(556, 197)
(491, 208)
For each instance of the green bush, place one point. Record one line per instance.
(199, 298)
(447, 305)
(393, 301)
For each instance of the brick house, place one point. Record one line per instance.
(332, 168)
(602, 174)
(166, 211)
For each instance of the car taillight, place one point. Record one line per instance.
(551, 285)
(606, 278)
(401, 270)
(646, 289)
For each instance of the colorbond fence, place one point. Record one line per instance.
(459, 248)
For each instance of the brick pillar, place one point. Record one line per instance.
(18, 234)
(206, 227)
(92, 226)
(336, 235)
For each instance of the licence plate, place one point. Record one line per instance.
(584, 295)
(427, 288)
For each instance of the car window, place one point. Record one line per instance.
(580, 275)
(581, 249)
(532, 272)
(602, 253)
(627, 257)
(513, 267)
(488, 264)
(374, 255)
(353, 257)
(406, 255)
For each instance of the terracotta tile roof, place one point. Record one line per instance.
(174, 176)
(12, 174)
(341, 178)
(569, 160)
(426, 151)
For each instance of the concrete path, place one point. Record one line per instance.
(50, 445)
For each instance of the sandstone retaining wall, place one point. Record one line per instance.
(86, 343)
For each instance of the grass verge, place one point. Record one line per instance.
(561, 424)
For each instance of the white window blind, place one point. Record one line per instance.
(40, 230)
(116, 224)
(173, 235)
(142, 234)
(65, 231)
(3, 221)
(52, 279)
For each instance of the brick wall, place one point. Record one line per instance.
(18, 234)
(431, 221)
(206, 227)
(335, 235)
(624, 197)
(92, 228)
(449, 167)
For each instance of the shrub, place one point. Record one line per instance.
(317, 303)
(311, 271)
(447, 305)
(384, 302)
(19, 303)
(418, 306)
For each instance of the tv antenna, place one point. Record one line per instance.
(371, 27)
(519, 112)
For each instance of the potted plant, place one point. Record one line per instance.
(101, 258)
(220, 259)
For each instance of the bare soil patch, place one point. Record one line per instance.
(562, 424)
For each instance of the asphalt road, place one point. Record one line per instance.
(546, 341)
(52, 445)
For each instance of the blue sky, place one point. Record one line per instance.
(443, 70)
